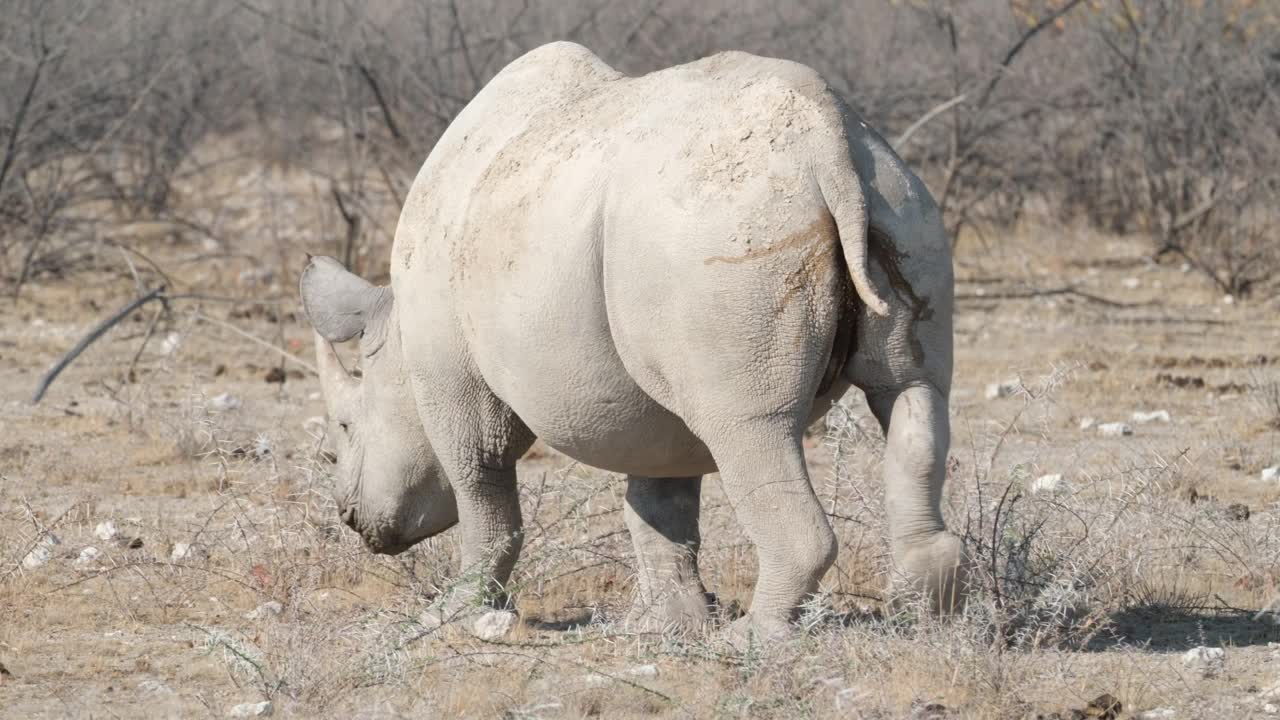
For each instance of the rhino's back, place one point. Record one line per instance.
(561, 161)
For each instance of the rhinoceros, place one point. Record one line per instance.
(661, 276)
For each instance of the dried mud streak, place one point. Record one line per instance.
(798, 239)
(819, 243)
(882, 250)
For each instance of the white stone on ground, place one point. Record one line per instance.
(1115, 429)
(88, 555)
(170, 343)
(1205, 660)
(270, 607)
(494, 624)
(258, 709)
(1141, 417)
(1087, 422)
(187, 551)
(42, 552)
(1002, 389)
(106, 530)
(154, 687)
(1051, 483)
(223, 402)
(1131, 283)
(639, 672)
(1271, 474)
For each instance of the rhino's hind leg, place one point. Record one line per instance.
(662, 517)
(763, 471)
(929, 560)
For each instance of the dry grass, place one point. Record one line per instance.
(1097, 588)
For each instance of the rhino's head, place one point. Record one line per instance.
(389, 486)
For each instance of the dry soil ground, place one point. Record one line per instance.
(1098, 586)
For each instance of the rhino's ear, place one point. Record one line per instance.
(339, 304)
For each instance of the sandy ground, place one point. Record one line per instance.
(153, 446)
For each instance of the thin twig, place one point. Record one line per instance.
(254, 338)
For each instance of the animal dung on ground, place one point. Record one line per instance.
(1106, 706)
(1140, 417)
(1115, 429)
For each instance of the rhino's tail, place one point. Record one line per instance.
(842, 190)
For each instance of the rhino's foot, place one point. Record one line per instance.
(683, 611)
(935, 569)
(752, 632)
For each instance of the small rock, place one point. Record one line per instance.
(88, 555)
(1105, 707)
(270, 607)
(639, 672)
(170, 343)
(1115, 429)
(1228, 299)
(275, 375)
(223, 402)
(1205, 660)
(1087, 423)
(1048, 484)
(494, 624)
(187, 551)
(154, 687)
(1003, 389)
(258, 709)
(254, 277)
(1141, 417)
(1238, 511)
(1156, 714)
(42, 552)
(106, 530)
(1270, 709)
(4, 671)
(1271, 474)
(1131, 283)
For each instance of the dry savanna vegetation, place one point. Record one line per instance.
(168, 545)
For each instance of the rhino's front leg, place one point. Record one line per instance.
(490, 522)
(662, 517)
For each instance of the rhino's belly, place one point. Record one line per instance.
(603, 419)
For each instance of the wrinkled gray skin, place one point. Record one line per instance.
(650, 275)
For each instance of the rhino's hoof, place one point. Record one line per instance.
(936, 569)
(679, 613)
(752, 632)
